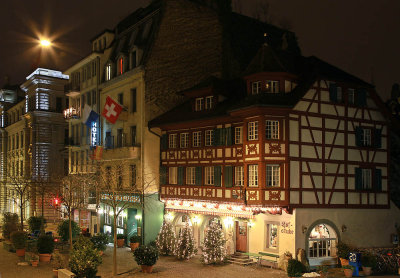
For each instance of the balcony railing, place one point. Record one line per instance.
(114, 142)
(72, 113)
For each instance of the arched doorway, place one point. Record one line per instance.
(181, 222)
(321, 241)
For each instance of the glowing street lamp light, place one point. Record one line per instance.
(45, 43)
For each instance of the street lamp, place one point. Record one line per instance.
(45, 43)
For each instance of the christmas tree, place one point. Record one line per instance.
(166, 239)
(185, 247)
(214, 251)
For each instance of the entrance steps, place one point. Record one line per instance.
(240, 259)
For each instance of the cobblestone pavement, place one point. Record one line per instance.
(165, 267)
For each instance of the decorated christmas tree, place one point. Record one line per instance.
(214, 251)
(166, 239)
(185, 247)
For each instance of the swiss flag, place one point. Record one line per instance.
(111, 110)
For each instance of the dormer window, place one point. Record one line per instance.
(272, 86)
(108, 72)
(209, 102)
(121, 65)
(256, 87)
(199, 103)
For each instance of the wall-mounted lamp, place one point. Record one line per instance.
(138, 217)
(304, 229)
(196, 220)
(228, 222)
(169, 217)
(100, 211)
(344, 228)
(251, 224)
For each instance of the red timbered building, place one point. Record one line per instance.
(291, 155)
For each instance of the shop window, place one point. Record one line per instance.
(107, 216)
(120, 220)
(272, 235)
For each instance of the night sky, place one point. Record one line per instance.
(358, 36)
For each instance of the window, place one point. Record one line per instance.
(120, 219)
(133, 59)
(173, 175)
(256, 87)
(133, 135)
(253, 175)
(366, 179)
(107, 216)
(209, 137)
(196, 138)
(366, 137)
(173, 141)
(272, 86)
(350, 96)
(121, 65)
(252, 130)
(209, 102)
(133, 100)
(133, 174)
(199, 103)
(209, 175)
(238, 135)
(273, 175)
(239, 176)
(121, 98)
(272, 235)
(271, 129)
(191, 175)
(339, 94)
(108, 72)
(184, 140)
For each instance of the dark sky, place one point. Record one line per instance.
(359, 36)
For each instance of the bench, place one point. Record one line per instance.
(272, 259)
(254, 255)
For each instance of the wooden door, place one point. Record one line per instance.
(241, 236)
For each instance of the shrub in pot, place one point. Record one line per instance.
(10, 224)
(146, 256)
(295, 268)
(100, 242)
(45, 246)
(84, 258)
(63, 230)
(35, 223)
(33, 259)
(343, 251)
(18, 239)
(348, 270)
(368, 261)
(134, 242)
(120, 240)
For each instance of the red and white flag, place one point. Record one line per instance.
(111, 110)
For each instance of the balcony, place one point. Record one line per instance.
(117, 147)
(72, 89)
(72, 113)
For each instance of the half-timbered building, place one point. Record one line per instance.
(292, 155)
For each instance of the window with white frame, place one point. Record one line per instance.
(120, 219)
(209, 175)
(271, 129)
(196, 139)
(350, 96)
(272, 235)
(184, 140)
(272, 86)
(209, 137)
(191, 175)
(209, 102)
(366, 178)
(256, 87)
(253, 175)
(238, 135)
(173, 175)
(252, 130)
(366, 137)
(173, 142)
(199, 103)
(239, 176)
(273, 175)
(108, 72)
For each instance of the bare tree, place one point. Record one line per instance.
(21, 188)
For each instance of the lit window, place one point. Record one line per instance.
(272, 86)
(239, 176)
(173, 142)
(209, 102)
(199, 104)
(173, 175)
(350, 96)
(107, 216)
(108, 72)
(209, 137)
(366, 137)
(191, 175)
(120, 219)
(253, 175)
(184, 140)
(273, 175)
(196, 138)
(256, 87)
(209, 175)
(271, 129)
(272, 236)
(252, 130)
(238, 135)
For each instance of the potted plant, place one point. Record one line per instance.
(34, 260)
(295, 268)
(368, 261)
(100, 242)
(120, 240)
(134, 242)
(146, 256)
(45, 246)
(84, 258)
(348, 270)
(57, 262)
(18, 239)
(343, 251)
